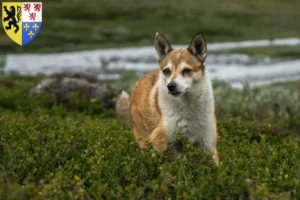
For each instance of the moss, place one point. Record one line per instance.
(50, 151)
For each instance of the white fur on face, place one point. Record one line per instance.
(184, 83)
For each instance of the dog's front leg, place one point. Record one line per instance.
(208, 146)
(159, 139)
(215, 155)
(177, 150)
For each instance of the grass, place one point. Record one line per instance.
(291, 85)
(77, 25)
(80, 151)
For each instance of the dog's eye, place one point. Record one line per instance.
(186, 71)
(167, 72)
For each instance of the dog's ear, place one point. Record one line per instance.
(198, 47)
(162, 46)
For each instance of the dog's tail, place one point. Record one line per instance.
(122, 108)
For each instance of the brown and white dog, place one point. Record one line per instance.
(178, 97)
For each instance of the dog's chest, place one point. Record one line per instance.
(190, 118)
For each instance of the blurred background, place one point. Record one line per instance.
(254, 41)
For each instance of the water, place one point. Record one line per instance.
(106, 63)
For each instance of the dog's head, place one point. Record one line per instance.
(181, 68)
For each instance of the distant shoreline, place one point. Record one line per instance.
(223, 63)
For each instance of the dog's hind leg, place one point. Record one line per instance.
(141, 139)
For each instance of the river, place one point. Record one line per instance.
(107, 63)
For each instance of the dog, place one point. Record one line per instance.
(176, 97)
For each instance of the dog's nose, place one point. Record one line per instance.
(172, 86)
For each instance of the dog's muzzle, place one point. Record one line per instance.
(173, 89)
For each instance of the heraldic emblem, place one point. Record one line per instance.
(22, 21)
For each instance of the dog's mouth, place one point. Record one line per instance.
(175, 94)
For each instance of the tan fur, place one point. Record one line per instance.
(149, 109)
(144, 102)
(122, 108)
(178, 56)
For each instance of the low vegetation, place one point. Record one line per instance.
(279, 103)
(80, 151)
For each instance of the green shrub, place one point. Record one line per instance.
(126, 81)
(50, 151)
(14, 96)
(279, 105)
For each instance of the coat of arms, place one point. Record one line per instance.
(22, 21)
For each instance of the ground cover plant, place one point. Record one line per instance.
(80, 151)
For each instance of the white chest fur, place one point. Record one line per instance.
(191, 114)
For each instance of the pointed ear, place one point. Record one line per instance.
(198, 47)
(162, 46)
